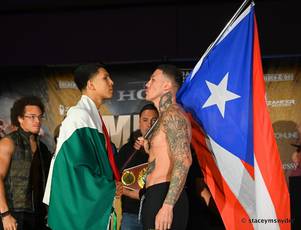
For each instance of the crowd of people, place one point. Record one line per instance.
(75, 187)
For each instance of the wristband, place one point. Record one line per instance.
(4, 214)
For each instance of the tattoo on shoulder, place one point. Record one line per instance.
(177, 130)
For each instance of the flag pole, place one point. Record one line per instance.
(146, 136)
(237, 13)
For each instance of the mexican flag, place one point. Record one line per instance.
(80, 187)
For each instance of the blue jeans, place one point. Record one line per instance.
(130, 222)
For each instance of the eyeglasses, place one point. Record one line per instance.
(33, 117)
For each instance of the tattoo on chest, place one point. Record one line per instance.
(150, 167)
(165, 102)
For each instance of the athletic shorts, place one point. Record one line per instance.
(154, 198)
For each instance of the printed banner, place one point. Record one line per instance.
(58, 91)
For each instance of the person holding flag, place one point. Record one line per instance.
(82, 179)
(165, 203)
(232, 131)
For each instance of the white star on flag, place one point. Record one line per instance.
(219, 95)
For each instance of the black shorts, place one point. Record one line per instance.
(154, 198)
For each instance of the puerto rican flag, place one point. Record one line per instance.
(232, 131)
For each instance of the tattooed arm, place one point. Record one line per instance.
(178, 134)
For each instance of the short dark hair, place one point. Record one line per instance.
(173, 73)
(19, 105)
(83, 73)
(149, 106)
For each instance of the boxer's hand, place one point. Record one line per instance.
(164, 217)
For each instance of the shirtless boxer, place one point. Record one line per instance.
(165, 204)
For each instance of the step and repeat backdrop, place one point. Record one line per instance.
(58, 91)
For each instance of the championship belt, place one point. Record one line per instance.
(133, 178)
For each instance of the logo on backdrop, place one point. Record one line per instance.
(281, 103)
(279, 77)
(286, 135)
